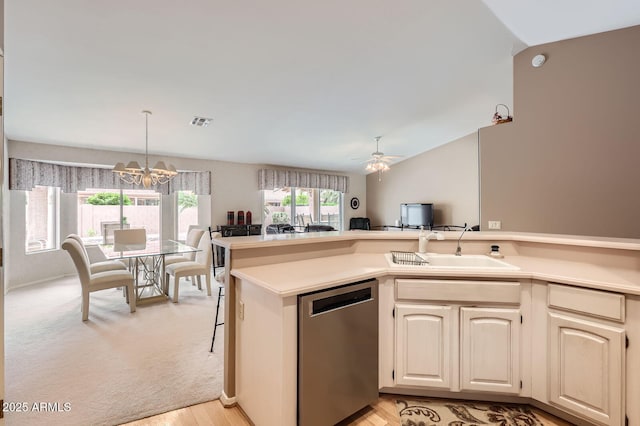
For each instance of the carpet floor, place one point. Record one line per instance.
(113, 368)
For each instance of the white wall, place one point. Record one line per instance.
(446, 176)
(29, 268)
(234, 187)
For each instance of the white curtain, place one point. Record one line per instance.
(273, 178)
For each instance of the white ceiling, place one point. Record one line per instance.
(287, 82)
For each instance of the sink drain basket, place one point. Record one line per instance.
(407, 258)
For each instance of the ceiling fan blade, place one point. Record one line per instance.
(377, 156)
(361, 159)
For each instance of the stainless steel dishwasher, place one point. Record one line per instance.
(337, 352)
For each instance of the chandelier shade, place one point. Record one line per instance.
(134, 174)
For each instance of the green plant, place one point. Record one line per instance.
(280, 217)
(108, 199)
(91, 233)
(187, 200)
(301, 200)
(329, 198)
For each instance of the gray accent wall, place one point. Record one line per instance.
(569, 163)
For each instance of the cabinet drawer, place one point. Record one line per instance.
(589, 302)
(458, 290)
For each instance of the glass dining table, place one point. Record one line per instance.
(147, 264)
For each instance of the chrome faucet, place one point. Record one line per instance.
(459, 249)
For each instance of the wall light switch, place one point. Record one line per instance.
(495, 224)
(241, 309)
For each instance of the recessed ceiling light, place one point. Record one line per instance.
(201, 121)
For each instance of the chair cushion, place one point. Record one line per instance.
(184, 268)
(107, 265)
(109, 279)
(169, 260)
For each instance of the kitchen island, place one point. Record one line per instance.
(594, 282)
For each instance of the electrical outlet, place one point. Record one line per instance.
(241, 309)
(495, 224)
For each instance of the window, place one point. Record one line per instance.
(302, 206)
(331, 208)
(277, 206)
(42, 218)
(99, 213)
(302, 201)
(187, 203)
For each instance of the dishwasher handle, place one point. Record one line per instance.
(340, 301)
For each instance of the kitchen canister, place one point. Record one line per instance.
(247, 217)
(240, 217)
(230, 217)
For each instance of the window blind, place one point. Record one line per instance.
(26, 174)
(274, 178)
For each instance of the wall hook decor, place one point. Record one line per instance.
(499, 118)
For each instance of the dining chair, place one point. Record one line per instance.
(193, 238)
(91, 282)
(193, 268)
(192, 227)
(132, 239)
(130, 236)
(101, 265)
(318, 228)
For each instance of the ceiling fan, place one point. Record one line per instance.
(379, 162)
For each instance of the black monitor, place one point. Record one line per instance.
(415, 215)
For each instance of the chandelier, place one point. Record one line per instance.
(136, 175)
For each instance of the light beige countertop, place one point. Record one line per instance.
(258, 241)
(303, 276)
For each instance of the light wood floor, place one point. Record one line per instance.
(212, 413)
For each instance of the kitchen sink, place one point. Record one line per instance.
(466, 261)
(447, 261)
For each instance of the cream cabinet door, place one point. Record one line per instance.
(586, 368)
(490, 349)
(423, 345)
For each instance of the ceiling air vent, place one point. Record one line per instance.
(201, 121)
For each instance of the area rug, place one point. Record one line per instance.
(427, 412)
(112, 369)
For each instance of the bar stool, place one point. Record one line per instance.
(219, 277)
(216, 323)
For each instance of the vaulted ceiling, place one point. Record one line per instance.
(287, 82)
